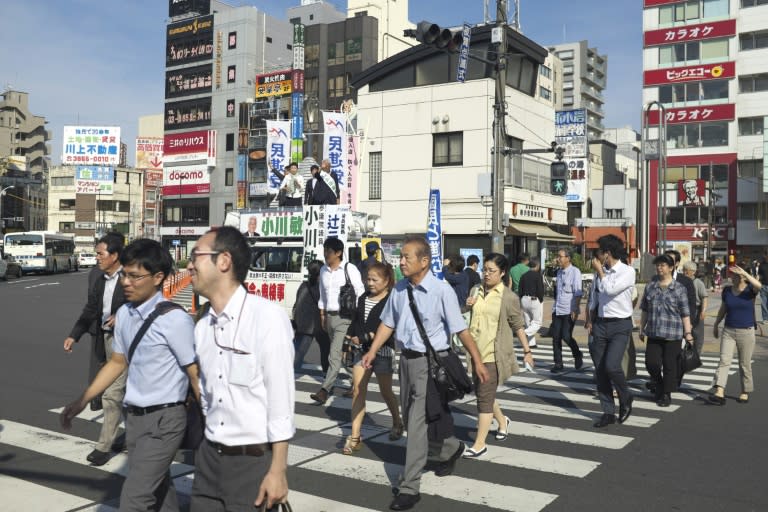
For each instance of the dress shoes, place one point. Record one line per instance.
(404, 501)
(665, 400)
(447, 467)
(717, 400)
(98, 458)
(625, 410)
(118, 445)
(320, 397)
(605, 420)
(557, 368)
(578, 361)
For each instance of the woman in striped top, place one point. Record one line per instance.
(367, 317)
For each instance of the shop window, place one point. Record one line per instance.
(229, 176)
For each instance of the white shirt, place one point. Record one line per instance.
(247, 397)
(612, 295)
(331, 282)
(293, 185)
(109, 291)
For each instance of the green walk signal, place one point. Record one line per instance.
(558, 175)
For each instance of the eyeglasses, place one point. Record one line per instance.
(490, 270)
(194, 254)
(134, 278)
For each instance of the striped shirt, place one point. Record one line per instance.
(665, 309)
(385, 350)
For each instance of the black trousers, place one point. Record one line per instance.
(661, 361)
(562, 329)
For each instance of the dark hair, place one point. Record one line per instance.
(456, 263)
(150, 255)
(500, 261)
(524, 256)
(114, 241)
(335, 245)
(533, 263)
(314, 167)
(313, 271)
(385, 270)
(472, 259)
(664, 258)
(228, 239)
(675, 254)
(423, 250)
(612, 245)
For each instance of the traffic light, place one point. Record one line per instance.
(558, 178)
(441, 38)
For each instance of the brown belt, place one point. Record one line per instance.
(254, 450)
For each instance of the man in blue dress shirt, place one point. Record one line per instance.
(566, 311)
(159, 375)
(441, 316)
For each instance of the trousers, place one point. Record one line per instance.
(112, 401)
(562, 329)
(743, 340)
(610, 341)
(337, 330)
(661, 361)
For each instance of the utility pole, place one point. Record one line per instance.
(499, 138)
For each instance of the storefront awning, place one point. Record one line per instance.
(537, 231)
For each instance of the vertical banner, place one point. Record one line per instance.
(435, 232)
(321, 222)
(571, 134)
(297, 97)
(278, 151)
(461, 70)
(348, 189)
(335, 146)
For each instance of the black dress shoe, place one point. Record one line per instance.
(404, 501)
(717, 400)
(556, 368)
(447, 467)
(625, 410)
(118, 445)
(665, 401)
(579, 361)
(98, 458)
(320, 397)
(605, 420)
(651, 386)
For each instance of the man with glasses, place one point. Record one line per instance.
(105, 296)
(160, 371)
(566, 311)
(244, 345)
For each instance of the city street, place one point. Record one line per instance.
(691, 456)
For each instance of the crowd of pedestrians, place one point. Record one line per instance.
(150, 360)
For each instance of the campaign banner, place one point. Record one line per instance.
(689, 73)
(278, 151)
(348, 188)
(186, 180)
(91, 145)
(672, 35)
(274, 223)
(435, 232)
(94, 180)
(322, 222)
(335, 144)
(461, 70)
(189, 146)
(149, 153)
(699, 114)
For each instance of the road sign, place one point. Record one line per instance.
(176, 243)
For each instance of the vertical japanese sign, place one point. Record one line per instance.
(335, 144)
(278, 147)
(348, 189)
(765, 152)
(435, 232)
(461, 70)
(297, 97)
(571, 134)
(321, 222)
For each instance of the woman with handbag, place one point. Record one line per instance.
(738, 309)
(360, 334)
(496, 318)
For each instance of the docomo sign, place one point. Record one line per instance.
(689, 73)
(186, 179)
(690, 33)
(188, 146)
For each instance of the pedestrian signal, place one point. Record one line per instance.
(558, 178)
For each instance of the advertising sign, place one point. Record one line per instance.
(183, 82)
(435, 232)
(571, 134)
(725, 112)
(277, 83)
(94, 180)
(276, 223)
(189, 146)
(190, 27)
(153, 179)
(689, 73)
(186, 180)
(91, 145)
(687, 33)
(181, 7)
(461, 70)
(348, 188)
(188, 114)
(149, 153)
(278, 151)
(691, 192)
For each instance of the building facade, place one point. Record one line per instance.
(704, 64)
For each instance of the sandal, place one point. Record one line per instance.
(396, 432)
(351, 445)
(502, 434)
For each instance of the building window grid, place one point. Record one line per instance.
(751, 125)
(753, 40)
(753, 83)
(374, 177)
(447, 149)
(752, 3)
(691, 11)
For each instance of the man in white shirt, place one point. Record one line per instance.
(334, 274)
(609, 320)
(244, 346)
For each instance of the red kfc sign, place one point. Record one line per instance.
(687, 33)
(689, 73)
(725, 112)
(691, 192)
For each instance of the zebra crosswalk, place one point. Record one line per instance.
(551, 438)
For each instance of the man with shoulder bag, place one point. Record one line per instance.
(435, 302)
(340, 285)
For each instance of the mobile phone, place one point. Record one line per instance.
(528, 367)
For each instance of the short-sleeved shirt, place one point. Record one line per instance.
(516, 272)
(665, 309)
(701, 291)
(439, 311)
(568, 290)
(156, 373)
(739, 309)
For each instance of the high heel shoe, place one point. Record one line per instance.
(351, 446)
(396, 432)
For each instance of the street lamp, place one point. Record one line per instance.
(2, 193)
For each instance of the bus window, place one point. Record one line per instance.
(258, 258)
(18, 240)
(277, 259)
(294, 259)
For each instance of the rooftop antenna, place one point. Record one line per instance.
(516, 17)
(486, 16)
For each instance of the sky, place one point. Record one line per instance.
(101, 62)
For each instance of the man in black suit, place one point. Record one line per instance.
(326, 189)
(309, 188)
(105, 296)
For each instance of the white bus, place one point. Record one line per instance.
(38, 251)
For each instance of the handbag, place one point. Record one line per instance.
(347, 298)
(277, 507)
(447, 372)
(689, 358)
(193, 434)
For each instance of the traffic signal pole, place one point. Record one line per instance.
(499, 139)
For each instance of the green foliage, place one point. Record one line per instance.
(577, 260)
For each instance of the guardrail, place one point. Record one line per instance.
(176, 282)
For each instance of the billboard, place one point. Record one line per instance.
(149, 153)
(186, 180)
(188, 114)
(672, 35)
(277, 83)
(94, 180)
(571, 135)
(187, 81)
(691, 192)
(726, 112)
(91, 145)
(689, 73)
(181, 7)
(189, 146)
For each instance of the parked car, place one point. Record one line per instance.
(86, 259)
(9, 267)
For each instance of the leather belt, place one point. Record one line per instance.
(332, 313)
(531, 297)
(415, 354)
(612, 319)
(141, 411)
(253, 450)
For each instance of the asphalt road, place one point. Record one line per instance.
(692, 457)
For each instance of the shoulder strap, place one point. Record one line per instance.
(417, 318)
(161, 308)
(346, 274)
